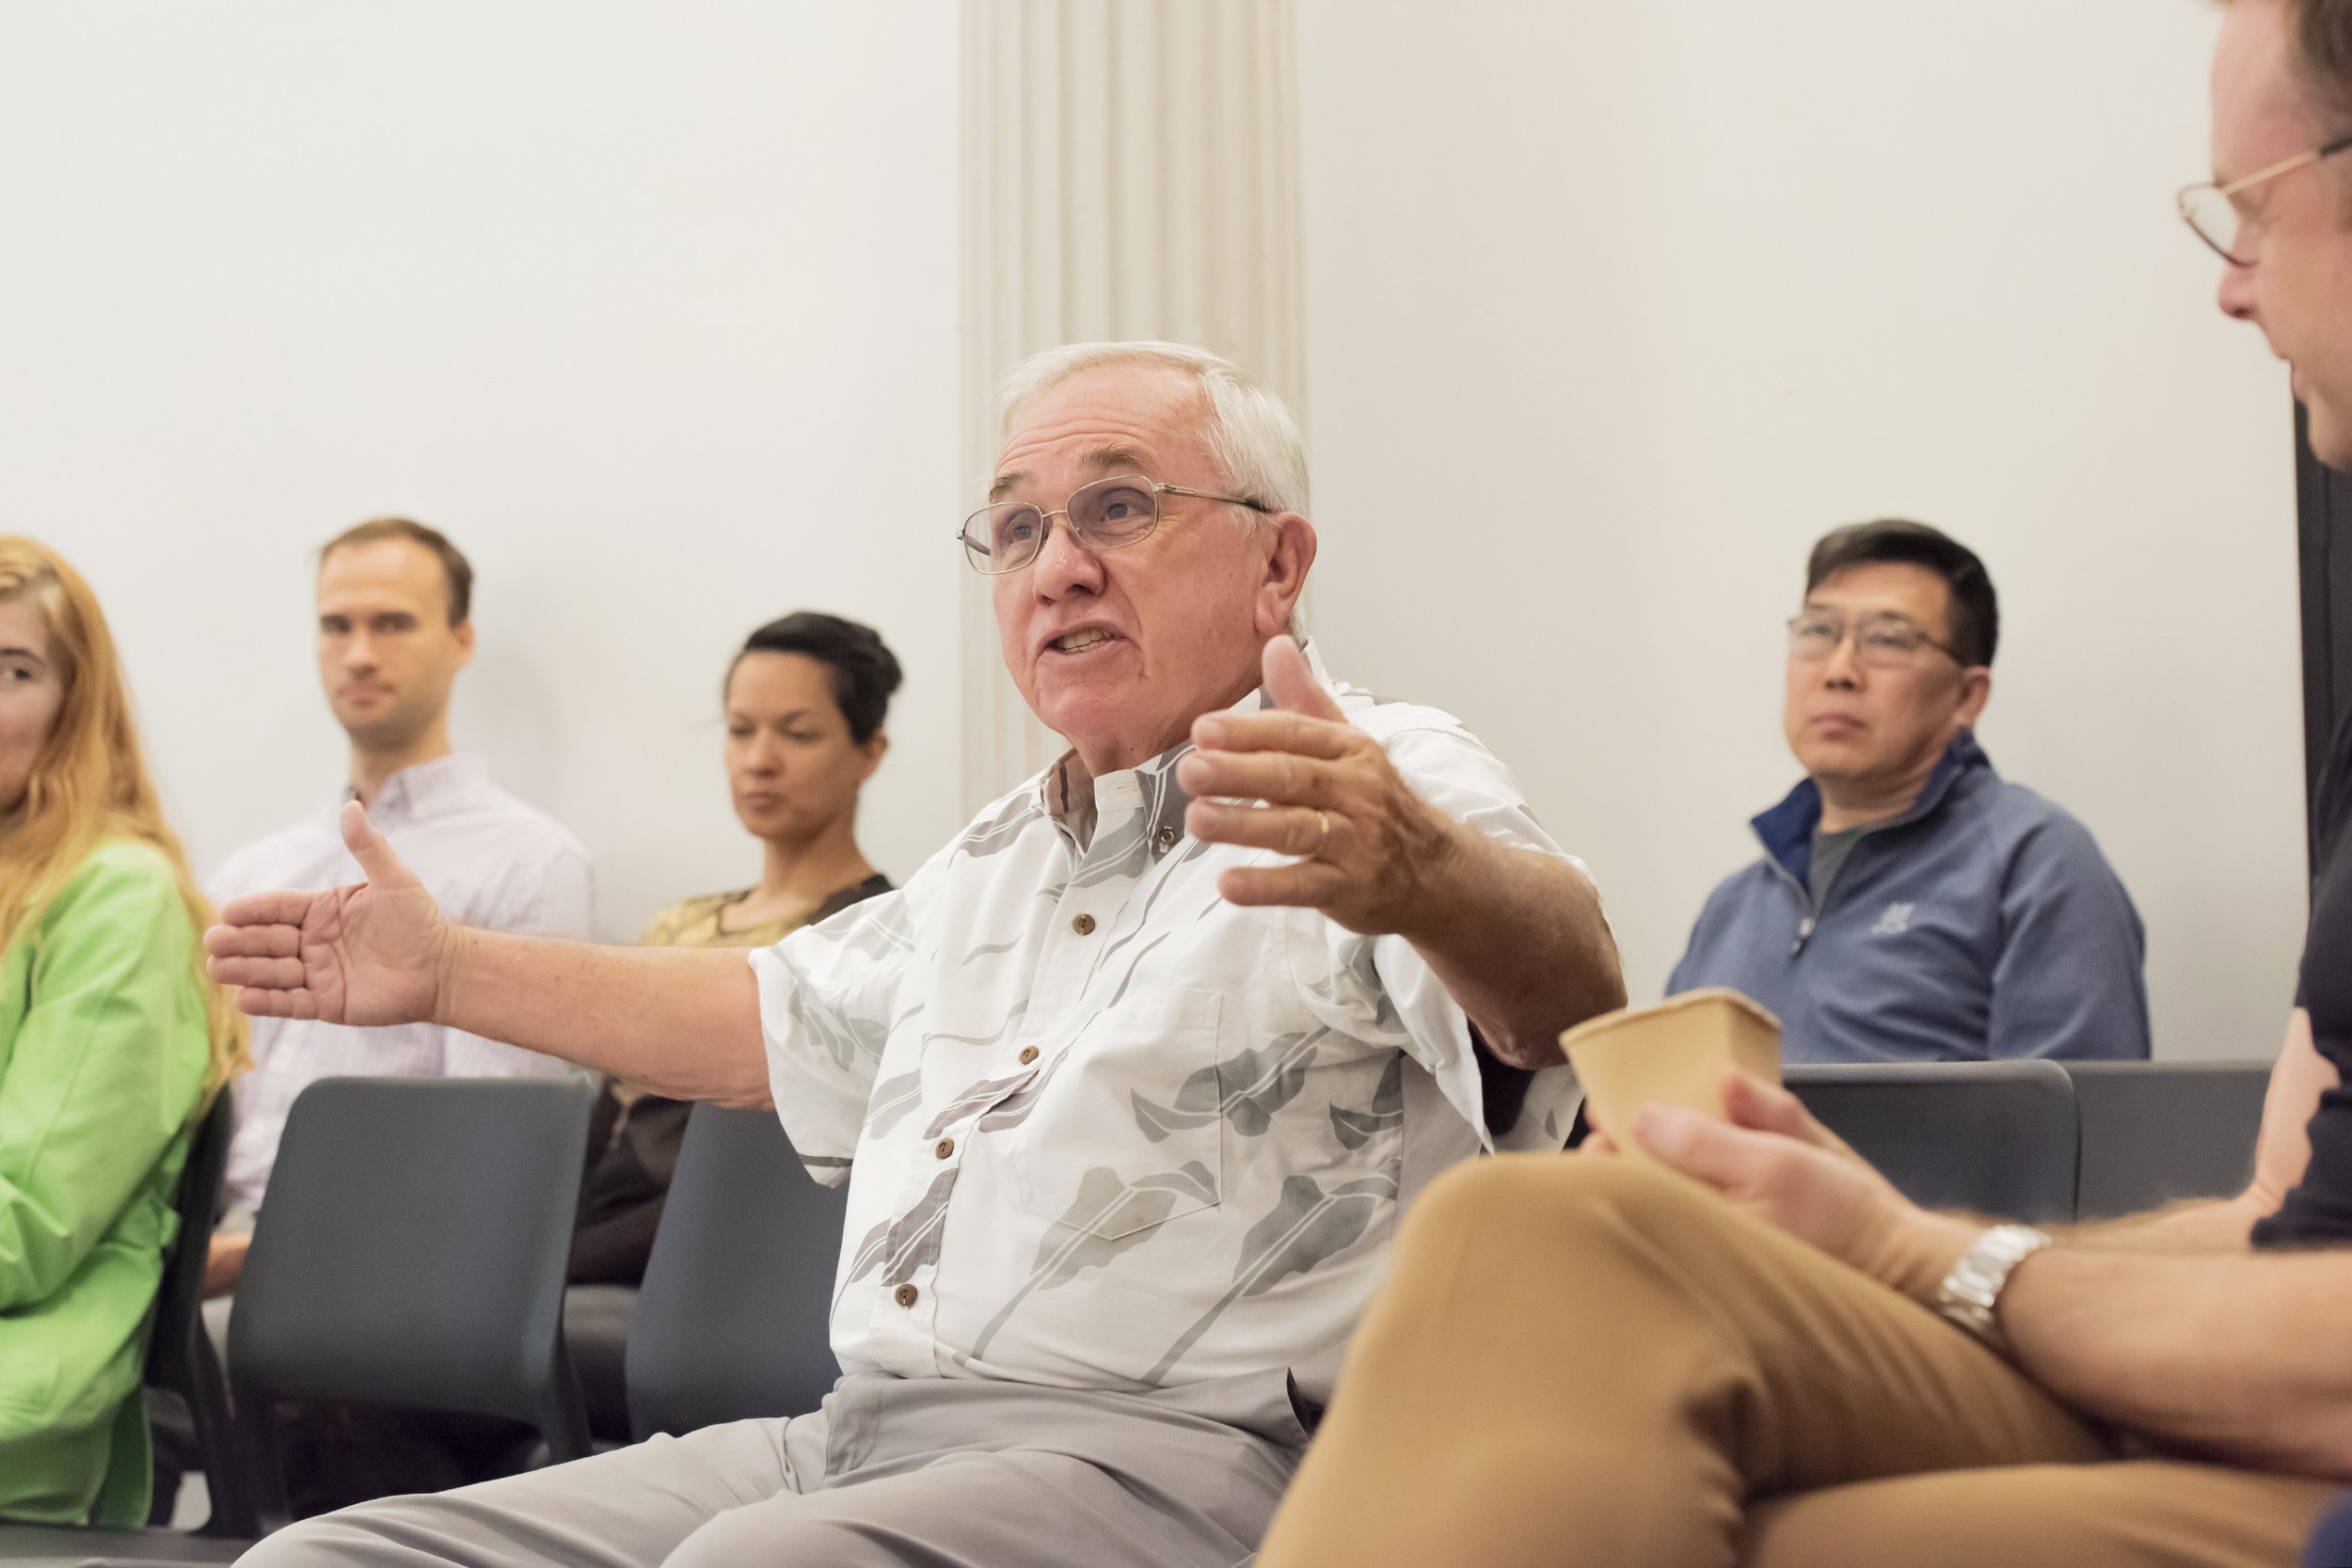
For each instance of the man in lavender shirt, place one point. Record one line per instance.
(395, 627)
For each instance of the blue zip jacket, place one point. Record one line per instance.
(1981, 923)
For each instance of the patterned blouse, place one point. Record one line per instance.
(695, 922)
(1101, 1127)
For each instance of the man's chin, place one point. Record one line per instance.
(378, 731)
(1832, 760)
(2330, 433)
(1092, 718)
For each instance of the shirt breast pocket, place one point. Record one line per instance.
(1128, 1129)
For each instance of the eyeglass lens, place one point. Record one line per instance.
(1880, 640)
(2214, 217)
(1105, 514)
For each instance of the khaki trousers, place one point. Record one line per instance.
(1590, 1361)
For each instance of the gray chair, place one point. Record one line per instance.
(180, 1357)
(2156, 1131)
(596, 1332)
(412, 1254)
(732, 1321)
(1998, 1138)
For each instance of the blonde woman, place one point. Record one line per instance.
(111, 1043)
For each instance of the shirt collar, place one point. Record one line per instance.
(1078, 802)
(1786, 830)
(427, 788)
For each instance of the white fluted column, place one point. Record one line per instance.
(1131, 170)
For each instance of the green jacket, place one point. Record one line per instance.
(103, 1054)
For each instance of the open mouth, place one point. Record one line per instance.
(1080, 640)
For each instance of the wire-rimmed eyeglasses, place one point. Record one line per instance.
(1004, 536)
(1885, 640)
(2212, 210)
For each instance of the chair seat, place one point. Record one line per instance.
(59, 1544)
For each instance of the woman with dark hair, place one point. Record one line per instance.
(805, 702)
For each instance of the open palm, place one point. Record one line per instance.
(368, 952)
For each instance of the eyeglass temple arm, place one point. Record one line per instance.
(1212, 495)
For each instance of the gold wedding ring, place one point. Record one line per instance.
(1323, 822)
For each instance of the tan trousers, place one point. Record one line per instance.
(1587, 1361)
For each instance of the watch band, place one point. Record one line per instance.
(1973, 1288)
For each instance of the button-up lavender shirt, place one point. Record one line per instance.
(488, 861)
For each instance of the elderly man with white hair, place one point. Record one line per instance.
(1130, 1082)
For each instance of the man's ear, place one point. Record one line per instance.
(1287, 564)
(876, 745)
(462, 633)
(1975, 689)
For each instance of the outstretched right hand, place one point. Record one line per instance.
(371, 952)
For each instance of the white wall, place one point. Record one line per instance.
(1612, 310)
(651, 308)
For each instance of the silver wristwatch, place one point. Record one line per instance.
(1969, 1292)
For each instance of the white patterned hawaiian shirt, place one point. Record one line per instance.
(1104, 1129)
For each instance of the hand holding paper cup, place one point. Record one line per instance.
(1673, 1053)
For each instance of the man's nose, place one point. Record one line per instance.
(1844, 666)
(2236, 293)
(1063, 566)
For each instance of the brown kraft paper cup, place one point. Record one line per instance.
(1673, 1053)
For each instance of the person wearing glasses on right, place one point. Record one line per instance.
(1911, 904)
(1764, 1355)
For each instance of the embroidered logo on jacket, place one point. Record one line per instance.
(1895, 922)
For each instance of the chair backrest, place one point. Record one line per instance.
(180, 1356)
(411, 1252)
(1996, 1138)
(2154, 1131)
(732, 1321)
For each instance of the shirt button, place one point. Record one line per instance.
(906, 1295)
(1168, 838)
(1029, 1054)
(945, 1147)
(1083, 925)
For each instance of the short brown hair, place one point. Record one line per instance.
(2322, 31)
(454, 566)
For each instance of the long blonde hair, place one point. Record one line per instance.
(90, 782)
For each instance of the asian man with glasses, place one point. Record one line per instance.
(1911, 904)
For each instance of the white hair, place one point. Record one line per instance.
(1251, 433)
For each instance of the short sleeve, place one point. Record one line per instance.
(1380, 989)
(827, 994)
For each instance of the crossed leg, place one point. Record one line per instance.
(1591, 1361)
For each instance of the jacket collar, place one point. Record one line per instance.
(1786, 830)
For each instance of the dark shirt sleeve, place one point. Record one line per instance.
(2318, 1211)
(2069, 982)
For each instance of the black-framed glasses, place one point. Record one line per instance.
(2212, 212)
(1884, 640)
(1006, 536)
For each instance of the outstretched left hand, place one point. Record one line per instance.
(1301, 780)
